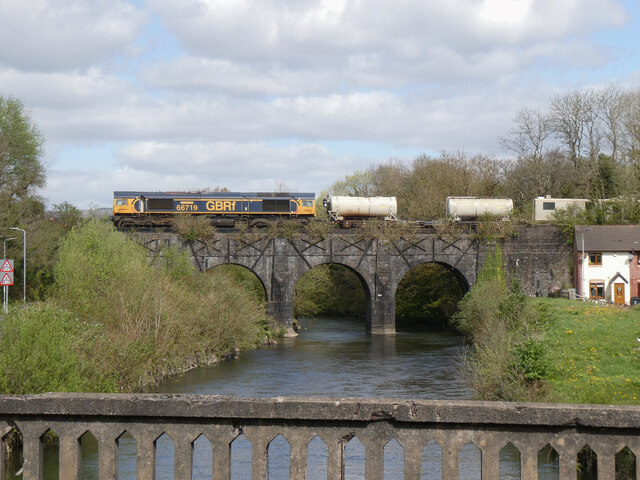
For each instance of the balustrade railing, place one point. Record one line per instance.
(533, 434)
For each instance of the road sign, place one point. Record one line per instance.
(7, 265)
(6, 278)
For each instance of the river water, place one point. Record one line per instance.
(332, 357)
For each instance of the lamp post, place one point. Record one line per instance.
(24, 262)
(4, 247)
(5, 292)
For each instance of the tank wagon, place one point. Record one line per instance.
(132, 208)
(471, 208)
(348, 211)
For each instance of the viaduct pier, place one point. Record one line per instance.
(537, 255)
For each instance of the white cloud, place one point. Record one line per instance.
(333, 31)
(65, 34)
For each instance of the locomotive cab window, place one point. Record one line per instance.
(121, 201)
(307, 203)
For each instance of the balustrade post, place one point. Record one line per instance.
(412, 461)
(107, 456)
(490, 459)
(32, 455)
(221, 459)
(450, 451)
(373, 460)
(528, 463)
(567, 465)
(146, 458)
(335, 459)
(606, 464)
(69, 457)
(298, 458)
(259, 452)
(182, 457)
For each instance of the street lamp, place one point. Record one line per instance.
(5, 292)
(4, 247)
(24, 262)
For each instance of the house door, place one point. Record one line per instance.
(618, 293)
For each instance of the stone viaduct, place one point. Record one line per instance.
(538, 255)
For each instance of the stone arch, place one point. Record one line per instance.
(256, 274)
(461, 277)
(447, 275)
(363, 280)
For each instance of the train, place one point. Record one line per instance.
(224, 209)
(260, 209)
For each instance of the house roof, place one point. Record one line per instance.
(608, 238)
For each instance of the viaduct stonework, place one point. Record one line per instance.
(538, 255)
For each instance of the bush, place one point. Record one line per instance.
(45, 349)
(531, 360)
(156, 319)
(507, 360)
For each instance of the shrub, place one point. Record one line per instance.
(45, 349)
(531, 360)
(154, 318)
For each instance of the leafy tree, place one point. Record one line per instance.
(21, 172)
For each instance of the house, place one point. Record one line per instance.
(606, 261)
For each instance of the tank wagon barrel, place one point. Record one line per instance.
(471, 208)
(343, 208)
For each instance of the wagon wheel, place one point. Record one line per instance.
(260, 223)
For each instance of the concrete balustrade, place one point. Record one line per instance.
(489, 426)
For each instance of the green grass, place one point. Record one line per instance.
(594, 352)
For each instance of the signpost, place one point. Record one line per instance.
(6, 279)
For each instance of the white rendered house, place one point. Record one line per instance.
(607, 262)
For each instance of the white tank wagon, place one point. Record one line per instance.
(345, 208)
(471, 208)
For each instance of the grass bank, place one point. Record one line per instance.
(115, 322)
(547, 349)
(593, 352)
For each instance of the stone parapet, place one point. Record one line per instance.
(450, 426)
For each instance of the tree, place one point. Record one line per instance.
(21, 172)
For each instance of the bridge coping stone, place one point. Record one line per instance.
(335, 409)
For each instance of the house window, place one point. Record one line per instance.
(595, 259)
(548, 205)
(596, 289)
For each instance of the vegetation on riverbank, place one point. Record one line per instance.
(115, 322)
(547, 349)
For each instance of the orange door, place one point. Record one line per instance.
(618, 293)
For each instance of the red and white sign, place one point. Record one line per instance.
(6, 279)
(7, 266)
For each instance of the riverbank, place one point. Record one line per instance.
(593, 352)
(114, 322)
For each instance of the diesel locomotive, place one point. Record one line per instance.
(222, 208)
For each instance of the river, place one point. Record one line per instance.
(332, 357)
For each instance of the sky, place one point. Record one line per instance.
(252, 95)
